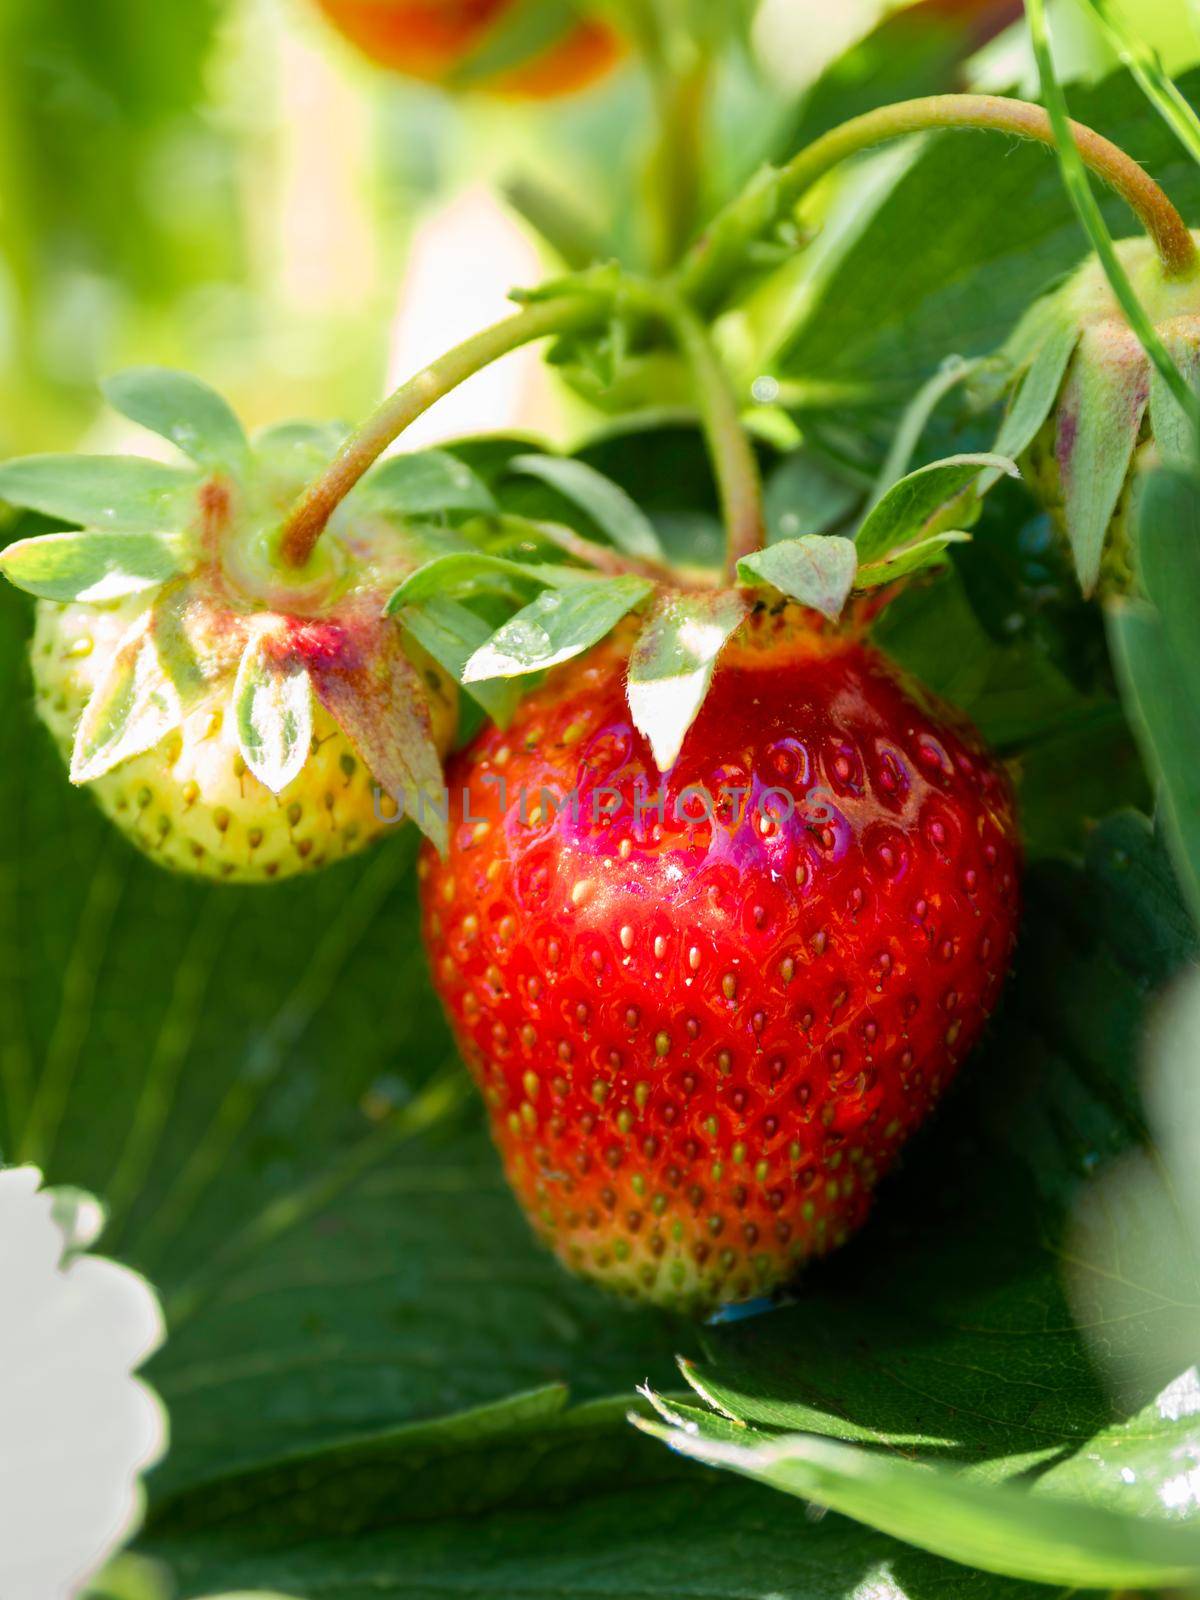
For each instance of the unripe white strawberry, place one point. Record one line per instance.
(235, 718)
(191, 802)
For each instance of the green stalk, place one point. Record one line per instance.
(1079, 190)
(307, 519)
(739, 482)
(677, 159)
(720, 254)
(569, 234)
(680, 75)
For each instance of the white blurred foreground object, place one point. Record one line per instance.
(465, 259)
(795, 40)
(76, 1428)
(1133, 1257)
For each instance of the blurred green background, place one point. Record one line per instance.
(222, 185)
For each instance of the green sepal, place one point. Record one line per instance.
(272, 706)
(113, 494)
(182, 409)
(93, 566)
(1172, 430)
(904, 560)
(672, 665)
(422, 484)
(451, 634)
(134, 705)
(613, 511)
(1038, 390)
(557, 625)
(1099, 418)
(937, 498)
(376, 697)
(817, 570)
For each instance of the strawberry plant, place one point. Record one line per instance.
(747, 861)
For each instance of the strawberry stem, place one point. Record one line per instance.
(720, 253)
(679, 66)
(739, 482)
(307, 519)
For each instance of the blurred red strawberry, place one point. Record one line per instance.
(434, 39)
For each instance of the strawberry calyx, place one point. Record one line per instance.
(1087, 407)
(677, 630)
(187, 559)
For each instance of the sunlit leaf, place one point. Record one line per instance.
(557, 625)
(672, 665)
(930, 500)
(905, 559)
(475, 572)
(816, 570)
(134, 705)
(182, 409)
(1001, 1529)
(94, 566)
(125, 494)
(272, 702)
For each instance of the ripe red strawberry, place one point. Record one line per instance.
(703, 1043)
(434, 39)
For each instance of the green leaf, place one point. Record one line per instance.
(134, 705)
(613, 511)
(422, 484)
(272, 702)
(882, 318)
(952, 373)
(817, 570)
(939, 1355)
(335, 1245)
(476, 572)
(672, 665)
(113, 494)
(576, 1512)
(1158, 660)
(999, 1529)
(807, 494)
(94, 566)
(451, 634)
(182, 409)
(1169, 516)
(927, 502)
(557, 626)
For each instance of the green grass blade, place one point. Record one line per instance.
(1151, 76)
